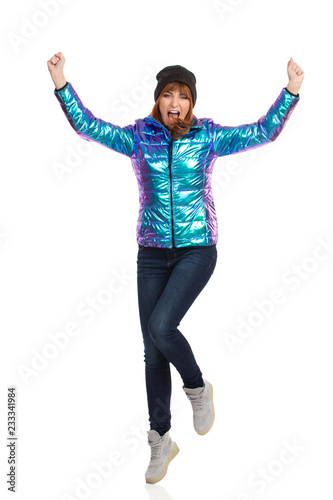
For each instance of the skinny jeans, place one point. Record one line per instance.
(168, 281)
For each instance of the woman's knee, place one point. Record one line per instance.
(159, 329)
(154, 359)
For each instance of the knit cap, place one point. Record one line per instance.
(175, 73)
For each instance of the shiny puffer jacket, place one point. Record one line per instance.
(174, 176)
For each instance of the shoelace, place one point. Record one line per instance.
(156, 449)
(196, 401)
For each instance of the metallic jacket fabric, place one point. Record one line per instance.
(174, 176)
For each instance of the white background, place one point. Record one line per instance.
(64, 238)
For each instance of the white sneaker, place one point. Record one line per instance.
(203, 407)
(163, 450)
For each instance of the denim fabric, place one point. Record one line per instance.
(169, 281)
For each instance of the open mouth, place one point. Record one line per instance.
(172, 115)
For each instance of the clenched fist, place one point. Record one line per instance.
(56, 69)
(295, 75)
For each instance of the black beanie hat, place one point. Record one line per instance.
(175, 73)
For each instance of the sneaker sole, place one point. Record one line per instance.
(205, 431)
(173, 453)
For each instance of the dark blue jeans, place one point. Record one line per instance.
(169, 281)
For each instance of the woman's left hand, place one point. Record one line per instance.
(296, 75)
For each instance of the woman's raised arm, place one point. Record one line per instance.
(230, 140)
(85, 124)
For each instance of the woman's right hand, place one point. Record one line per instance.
(56, 69)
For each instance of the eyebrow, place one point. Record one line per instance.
(170, 92)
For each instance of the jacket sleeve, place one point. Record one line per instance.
(229, 140)
(90, 128)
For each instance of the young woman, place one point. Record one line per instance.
(173, 154)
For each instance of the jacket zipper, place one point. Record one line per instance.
(170, 162)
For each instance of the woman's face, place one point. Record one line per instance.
(173, 101)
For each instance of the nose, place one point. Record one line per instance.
(175, 101)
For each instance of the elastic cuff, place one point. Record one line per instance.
(57, 90)
(291, 92)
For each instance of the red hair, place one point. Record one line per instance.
(179, 127)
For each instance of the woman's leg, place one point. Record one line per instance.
(191, 269)
(152, 277)
(169, 280)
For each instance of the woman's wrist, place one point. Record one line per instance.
(293, 89)
(59, 82)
